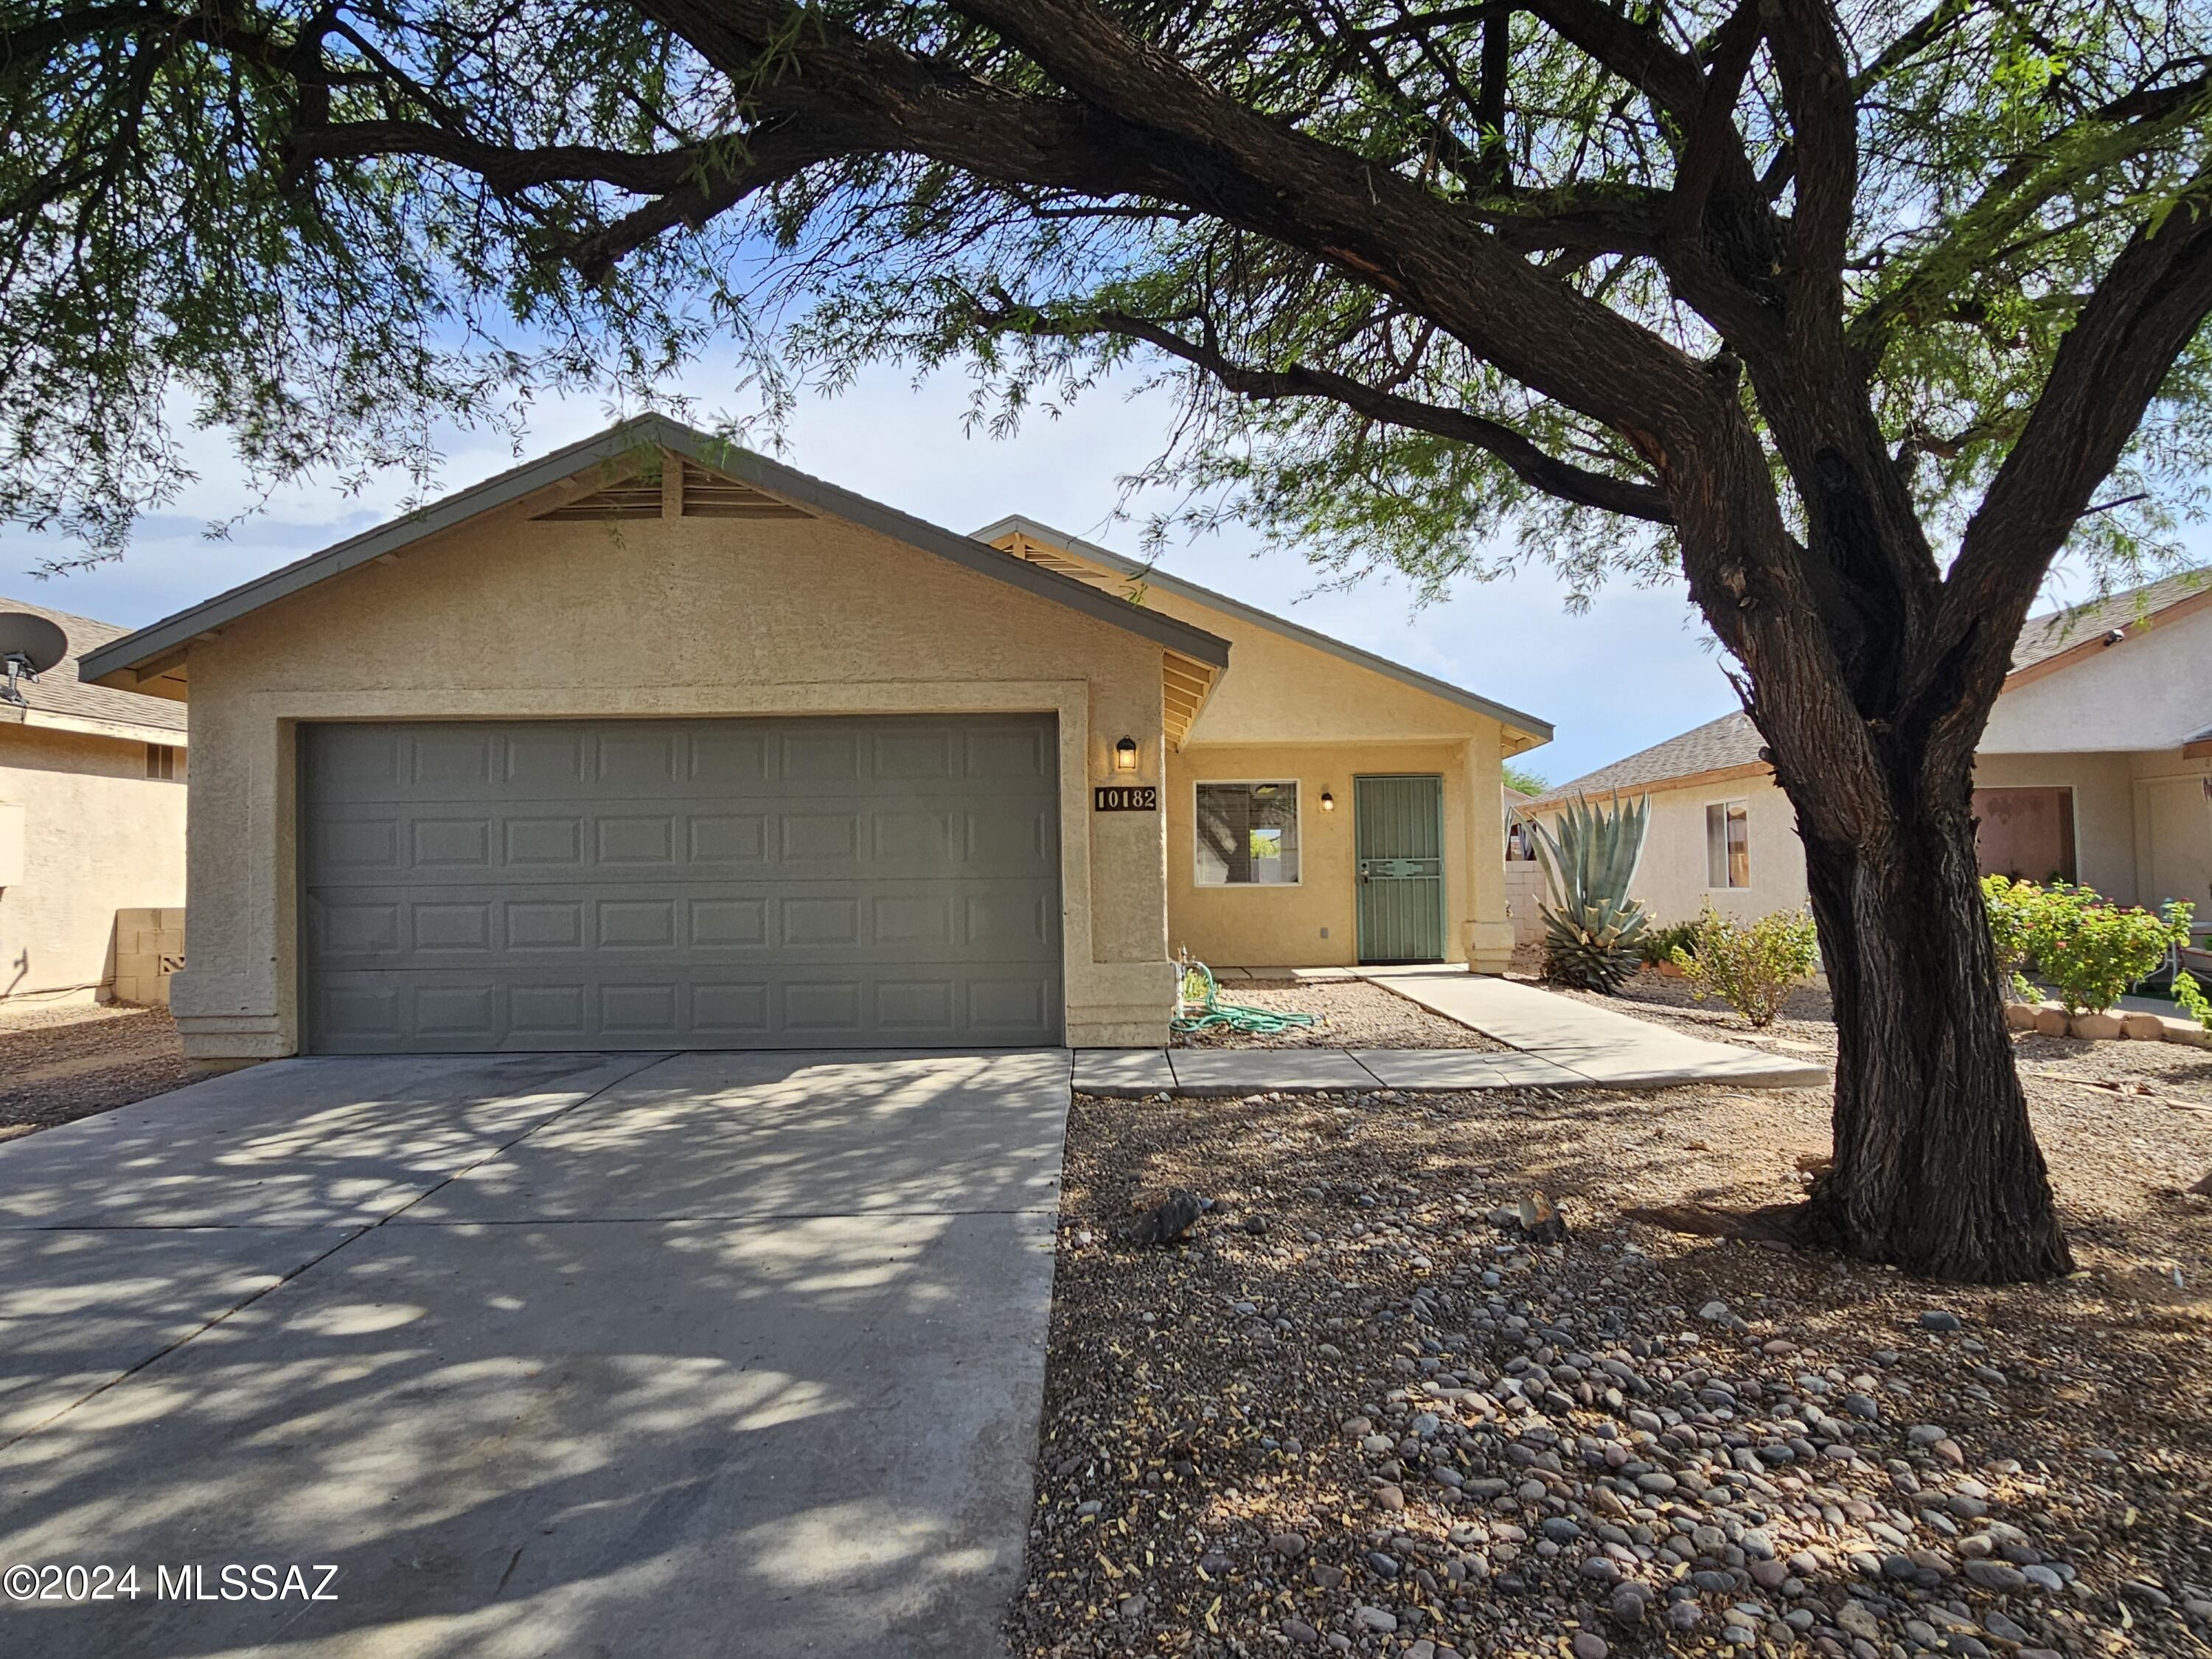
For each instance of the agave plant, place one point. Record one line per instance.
(1592, 928)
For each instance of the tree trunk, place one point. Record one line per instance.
(1936, 1167)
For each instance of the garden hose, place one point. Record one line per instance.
(1202, 1009)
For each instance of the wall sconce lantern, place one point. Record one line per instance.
(1124, 755)
(1328, 801)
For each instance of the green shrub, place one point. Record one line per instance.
(1660, 943)
(2091, 951)
(2012, 904)
(1753, 966)
(2190, 996)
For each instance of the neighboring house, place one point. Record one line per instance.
(655, 743)
(1526, 889)
(2096, 768)
(92, 824)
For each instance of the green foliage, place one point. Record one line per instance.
(1593, 929)
(1751, 966)
(329, 233)
(2011, 905)
(1660, 943)
(2189, 997)
(1526, 779)
(2089, 950)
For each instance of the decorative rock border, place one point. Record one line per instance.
(2134, 1025)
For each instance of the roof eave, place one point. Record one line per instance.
(2096, 644)
(50, 719)
(175, 633)
(1553, 799)
(1516, 720)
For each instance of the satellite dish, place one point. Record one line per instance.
(29, 644)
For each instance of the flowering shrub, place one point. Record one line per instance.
(2088, 948)
(1753, 966)
(2011, 904)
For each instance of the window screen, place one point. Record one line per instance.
(1728, 844)
(161, 761)
(1247, 835)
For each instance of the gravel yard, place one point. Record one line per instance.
(1356, 1409)
(1348, 1014)
(61, 1063)
(1807, 1027)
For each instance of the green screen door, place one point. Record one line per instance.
(1399, 832)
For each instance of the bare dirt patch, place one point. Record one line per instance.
(1347, 1014)
(59, 1064)
(1355, 1409)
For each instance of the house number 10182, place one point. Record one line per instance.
(1126, 797)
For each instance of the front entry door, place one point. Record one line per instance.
(1399, 836)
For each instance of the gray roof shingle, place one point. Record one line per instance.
(60, 692)
(1731, 740)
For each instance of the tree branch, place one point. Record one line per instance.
(1531, 464)
(2109, 367)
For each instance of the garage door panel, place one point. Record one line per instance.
(440, 1012)
(648, 884)
(506, 929)
(537, 844)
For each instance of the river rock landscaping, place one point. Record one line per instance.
(1346, 1014)
(1357, 1409)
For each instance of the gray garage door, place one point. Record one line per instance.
(787, 883)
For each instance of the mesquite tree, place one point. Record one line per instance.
(1863, 312)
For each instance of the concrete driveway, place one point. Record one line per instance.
(547, 1355)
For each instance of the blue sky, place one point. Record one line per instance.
(1632, 670)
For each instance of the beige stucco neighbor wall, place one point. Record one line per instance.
(2142, 833)
(1671, 881)
(2172, 824)
(505, 617)
(97, 837)
(2146, 693)
(2104, 810)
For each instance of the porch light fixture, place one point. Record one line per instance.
(1328, 801)
(1124, 755)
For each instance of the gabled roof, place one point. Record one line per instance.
(1092, 553)
(2045, 638)
(1721, 745)
(164, 640)
(61, 698)
(2047, 644)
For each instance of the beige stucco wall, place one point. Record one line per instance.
(504, 617)
(99, 836)
(1671, 880)
(2104, 810)
(2147, 692)
(1316, 922)
(2142, 833)
(1286, 709)
(2172, 826)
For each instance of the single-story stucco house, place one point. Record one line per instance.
(92, 826)
(2096, 768)
(656, 743)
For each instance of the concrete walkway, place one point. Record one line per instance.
(546, 1354)
(1561, 1043)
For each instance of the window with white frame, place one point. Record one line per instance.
(1728, 844)
(162, 762)
(1246, 835)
